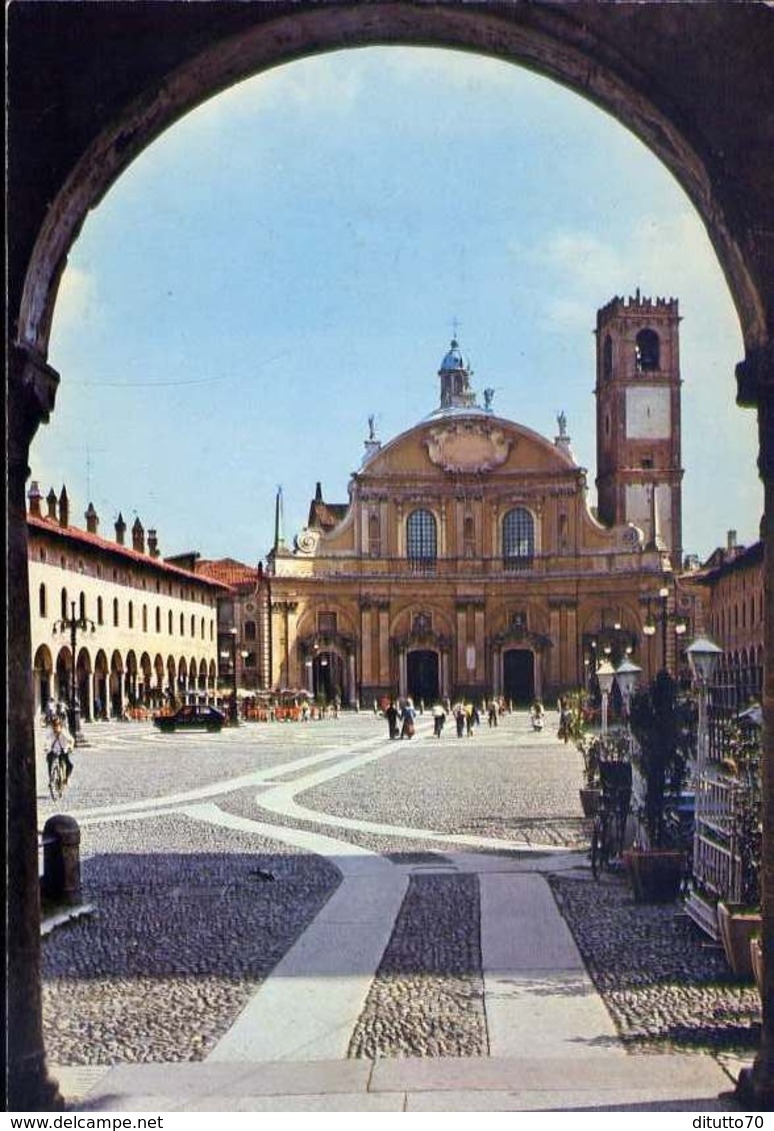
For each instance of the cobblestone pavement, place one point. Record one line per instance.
(190, 916)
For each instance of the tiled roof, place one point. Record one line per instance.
(78, 537)
(230, 572)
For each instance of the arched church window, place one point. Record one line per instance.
(607, 358)
(42, 603)
(518, 539)
(421, 540)
(647, 351)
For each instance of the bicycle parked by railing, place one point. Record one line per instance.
(609, 829)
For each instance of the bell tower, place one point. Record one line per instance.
(639, 476)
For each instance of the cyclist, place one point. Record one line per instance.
(59, 745)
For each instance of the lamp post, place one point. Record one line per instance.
(664, 616)
(605, 677)
(73, 624)
(703, 656)
(626, 676)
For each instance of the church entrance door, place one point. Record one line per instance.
(422, 676)
(519, 675)
(328, 672)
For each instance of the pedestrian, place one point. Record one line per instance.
(59, 744)
(392, 715)
(439, 718)
(459, 718)
(409, 715)
(469, 719)
(492, 714)
(565, 718)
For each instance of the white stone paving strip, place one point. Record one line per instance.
(218, 788)
(537, 993)
(281, 799)
(309, 1005)
(539, 1000)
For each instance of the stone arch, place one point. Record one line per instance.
(116, 686)
(145, 685)
(555, 50)
(83, 682)
(101, 691)
(42, 671)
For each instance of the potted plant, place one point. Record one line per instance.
(572, 728)
(739, 920)
(662, 726)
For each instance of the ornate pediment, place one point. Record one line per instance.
(468, 446)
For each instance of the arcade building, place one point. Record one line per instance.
(467, 561)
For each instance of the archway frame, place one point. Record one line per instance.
(593, 49)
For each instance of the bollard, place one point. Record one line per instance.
(61, 881)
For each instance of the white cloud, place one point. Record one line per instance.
(77, 299)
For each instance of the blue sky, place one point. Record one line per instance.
(290, 259)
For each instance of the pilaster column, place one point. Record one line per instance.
(755, 377)
(384, 676)
(402, 674)
(32, 386)
(478, 620)
(462, 640)
(352, 699)
(366, 646)
(400, 533)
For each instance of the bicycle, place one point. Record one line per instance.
(59, 764)
(57, 775)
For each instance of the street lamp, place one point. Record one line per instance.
(703, 656)
(626, 676)
(664, 616)
(605, 677)
(73, 624)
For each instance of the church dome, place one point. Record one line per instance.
(454, 359)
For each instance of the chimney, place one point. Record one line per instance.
(153, 544)
(120, 529)
(731, 540)
(64, 508)
(92, 520)
(138, 537)
(35, 499)
(51, 502)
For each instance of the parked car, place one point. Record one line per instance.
(191, 717)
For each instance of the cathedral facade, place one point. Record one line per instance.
(467, 561)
